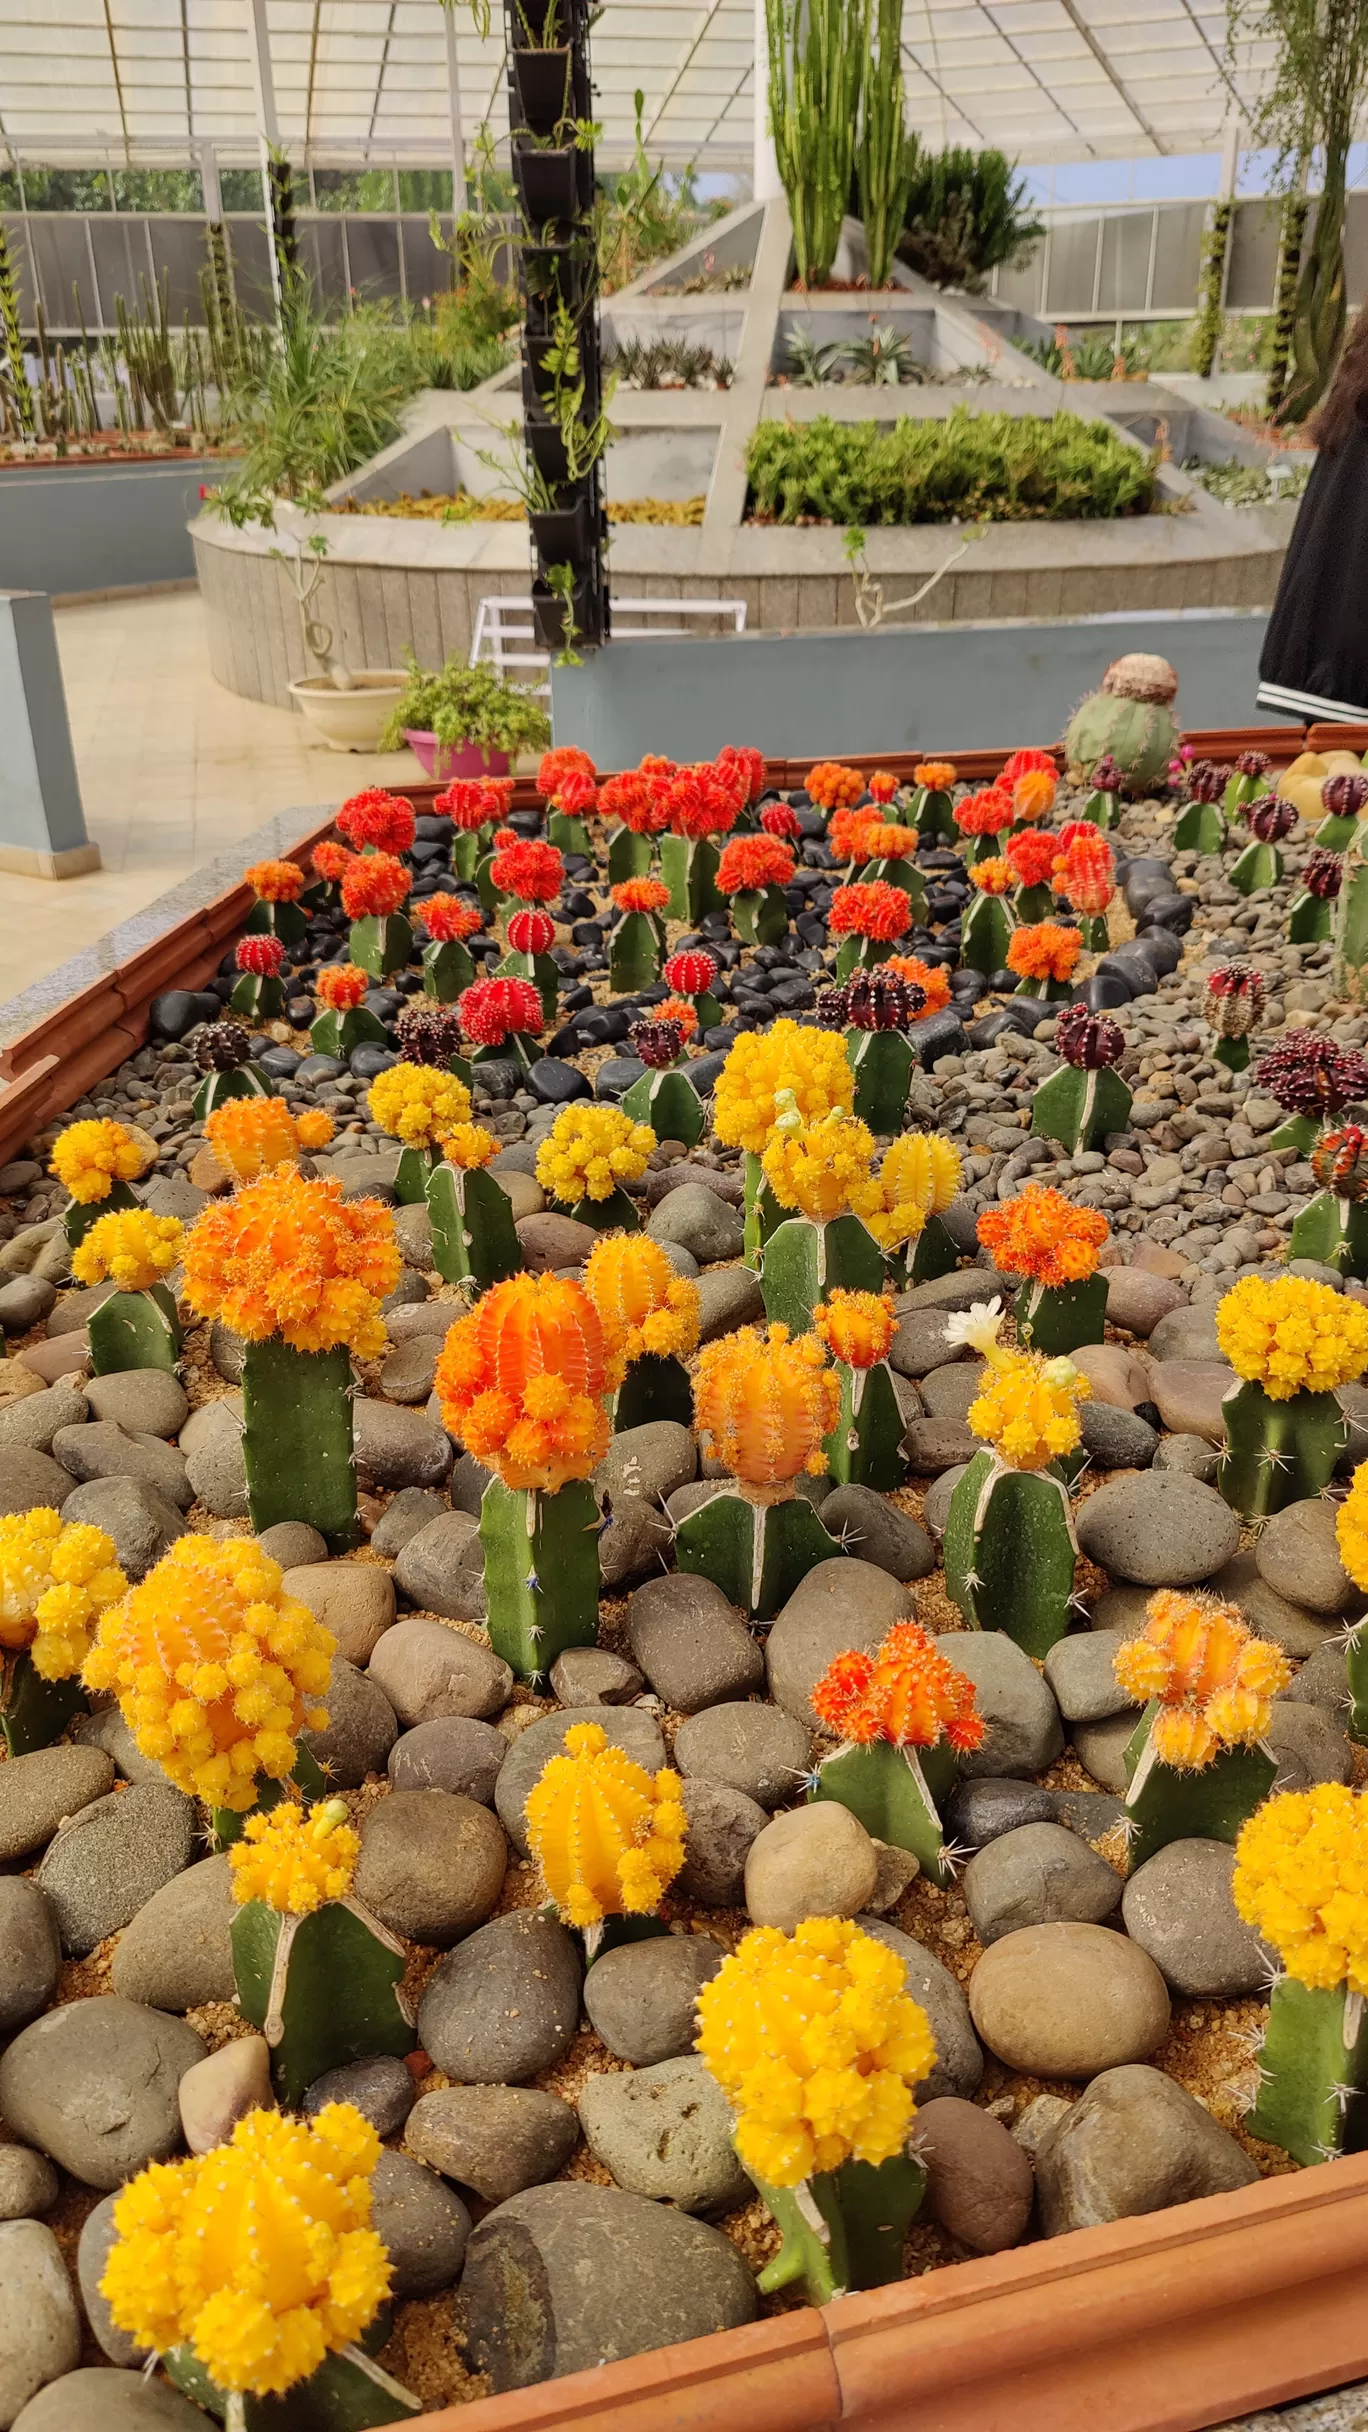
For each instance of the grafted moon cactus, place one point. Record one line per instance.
(763, 1405)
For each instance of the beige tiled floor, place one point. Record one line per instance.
(172, 769)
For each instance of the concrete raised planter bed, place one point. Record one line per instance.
(90, 526)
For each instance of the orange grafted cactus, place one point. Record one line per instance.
(764, 1403)
(522, 1381)
(856, 1327)
(640, 1299)
(906, 1693)
(1215, 1682)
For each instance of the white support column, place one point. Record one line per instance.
(210, 182)
(459, 192)
(766, 180)
(1230, 156)
(268, 123)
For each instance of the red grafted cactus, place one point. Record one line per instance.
(531, 931)
(495, 1010)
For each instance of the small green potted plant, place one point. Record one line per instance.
(465, 721)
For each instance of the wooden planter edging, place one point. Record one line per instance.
(1167, 2323)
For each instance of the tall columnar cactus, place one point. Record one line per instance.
(1009, 1541)
(1054, 1247)
(1197, 1763)
(1312, 1078)
(474, 1238)
(277, 912)
(1311, 912)
(95, 1160)
(375, 889)
(503, 1021)
(1333, 1227)
(1087, 1097)
(259, 990)
(879, 1007)
(447, 966)
(665, 1098)
(223, 1053)
(903, 1717)
(253, 2271)
(55, 1582)
(752, 874)
(531, 935)
(929, 804)
(217, 1673)
(1201, 824)
(1349, 973)
(607, 1835)
(524, 1382)
(864, 1447)
(1260, 865)
(417, 1105)
(1344, 798)
(316, 1972)
(821, 1171)
(788, 1060)
(690, 973)
(828, 2147)
(1129, 720)
(989, 920)
(653, 1313)
(137, 1326)
(1300, 1865)
(762, 1407)
(588, 1155)
(636, 946)
(1292, 1342)
(300, 1274)
(869, 920)
(1235, 996)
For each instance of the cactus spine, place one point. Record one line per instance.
(134, 1330)
(474, 1238)
(297, 1440)
(1278, 1452)
(1010, 1551)
(541, 1572)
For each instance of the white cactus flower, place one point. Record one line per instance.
(978, 1327)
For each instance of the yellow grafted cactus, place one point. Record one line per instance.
(590, 1151)
(216, 1672)
(763, 1403)
(293, 1862)
(820, 1168)
(55, 1582)
(1291, 1335)
(259, 2256)
(130, 1246)
(253, 1136)
(469, 1146)
(1301, 1880)
(857, 1327)
(811, 1064)
(641, 1300)
(89, 1158)
(607, 1835)
(919, 1176)
(816, 2045)
(1027, 1408)
(1351, 1527)
(418, 1104)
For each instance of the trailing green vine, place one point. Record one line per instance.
(1290, 234)
(14, 393)
(1206, 329)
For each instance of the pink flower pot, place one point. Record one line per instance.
(443, 761)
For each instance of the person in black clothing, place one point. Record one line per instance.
(1314, 662)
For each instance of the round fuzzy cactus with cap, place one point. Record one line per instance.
(1130, 721)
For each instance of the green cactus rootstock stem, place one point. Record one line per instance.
(469, 847)
(843, 2229)
(1233, 1053)
(297, 1440)
(1313, 2072)
(930, 812)
(759, 915)
(1079, 1108)
(669, 1102)
(541, 972)
(307, 1784)
(986, 934)
(618, 1213)
(763, 1213)
(1356, 1664)
(861, 954)
(412, 1175)
(1299, 1132)
(349, 2392)
(322, 1989)
(1335, 833)
(755, 1552)
(244, 1081)
(1240, 790)
(447, 970)
(1258, 867)
(33, 1711)
(801, 1262)
(381, 943)
(1010, 1552)
(864, 1448)
(1100, 808)
(903, 874)
(897, 1794)
(1278, 1453)
(517, 1048)
(134, 1330)
(1201, 828)
(1050, 992)
(1333, 1231)
(1349, 927)
(568, 834)
(629, 856)
(261, 998)
(934, 1251)
(654, 1387)
(1309, 919)
(1205, 1803)
(541, 1572)
(285, 921)
(688, 865)
(1059, 1318)
(1032, 904)
(474, 1238)
(883, 1062)
(634, 952)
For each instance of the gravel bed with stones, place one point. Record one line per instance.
(1095, 2036)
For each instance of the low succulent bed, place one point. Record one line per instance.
(462, 507)
(964, 467)
(682, 1550)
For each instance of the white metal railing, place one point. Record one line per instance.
(505, 636)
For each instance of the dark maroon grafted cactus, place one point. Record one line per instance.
(427, 1033)
(831, 1010)
(1253, 764)
(657, 1043)
(221, 1046)
(1234, 999)
(1089, 1040)
(1311, 1075)
(1345, 795)
(1339, 1162)
(1270, 819)
(1323, 874)
(1107, 777)
(880, 1000)
(1207, 781)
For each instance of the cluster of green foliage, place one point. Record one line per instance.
(965, 469)
(1248, 485)
(460, 704)
(966, 213)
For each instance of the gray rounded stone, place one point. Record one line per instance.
(959, 2061)
(1040, 1874)
(1067, 2000)
(397, 1447)
(635, 1545)
(432, 1865)
(504, 2004)
(93, 2085)
(141, 1522)
(1101, 1748)
(441, 1567)
(92, 2254)
(362, 1727)
(32, 1481)
(1081, 1672)
(143, 1401)
(947, 1392)
(1178, 1907)
(625, 1727)
(722, 1825)
(700, 1222)
(1190, 1454)
(353, 1600)
(40, 2327)
(427, 1670)
(99, 2400)
(408, 1512)
(1323, 1680)
(1186, 1334)
(1270, 1615)
(25, 1301)
(28, 2183)
(980, 2186)
(217, 1470)
(648, 1462)
(30, 1952)
(590, 1676)
(937, 1499)
(666, 2132)
(107, 1729)
(1308, 1745)
(101, 1450)
(641, 1997)
(494, 2139)
(545, 2291)
(1117, 1439)
(408, 1371)
(176, 1952)
(869, 1526)
(1298, 1555)
(978, 1812)
(840, 1605)
(1134, 2142)
(815, 1861)
(379, 2087)
(727, 1298)
(454, 1752)
(107, 1862)
(292, 1543)
(756, 1749)
(691, 1645)
(31, 1425)
(424, 2227)
(1160, 1528)
(38, 1790)
(1023, 1734)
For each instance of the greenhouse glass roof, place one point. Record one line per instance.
(141, 82)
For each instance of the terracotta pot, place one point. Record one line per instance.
(1181, 2319)
(443, 761)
